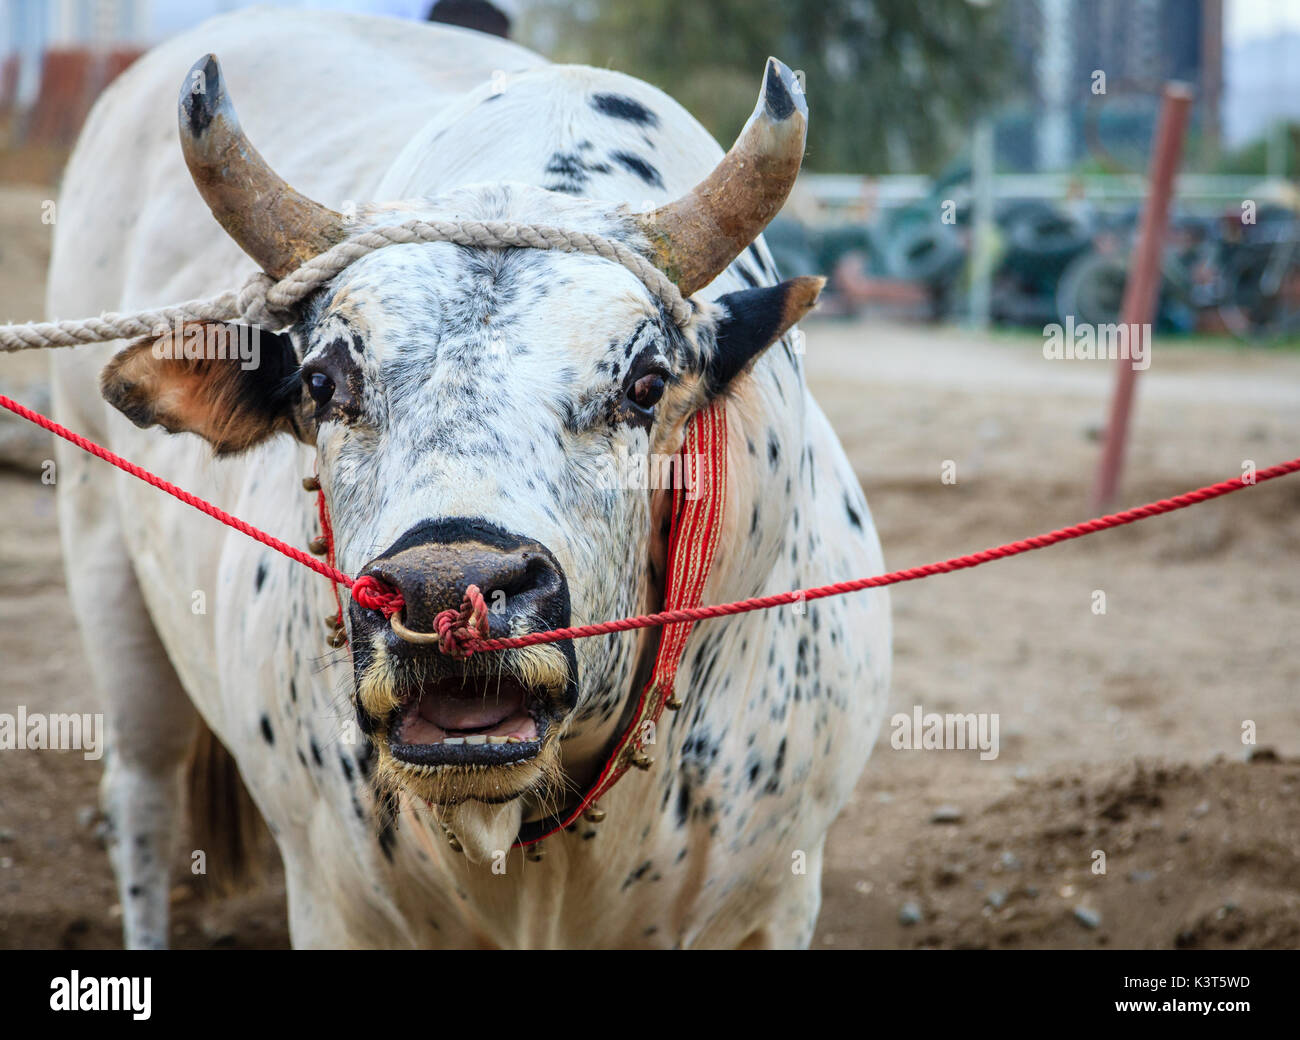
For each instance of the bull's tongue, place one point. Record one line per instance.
(469, 713)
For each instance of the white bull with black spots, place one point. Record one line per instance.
(455, 402)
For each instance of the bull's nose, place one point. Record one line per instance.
(432, 565)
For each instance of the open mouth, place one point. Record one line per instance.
(487, 720)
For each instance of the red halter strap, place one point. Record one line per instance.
(692, 543)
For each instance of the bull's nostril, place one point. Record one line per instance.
(374, 594)
(516, 577)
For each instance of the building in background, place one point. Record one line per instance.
(1065, 46)
(59, 55)
(1263, 83)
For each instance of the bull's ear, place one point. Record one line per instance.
(233, 385)
(752, 320)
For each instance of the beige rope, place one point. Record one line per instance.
(265, 302)
(111, 326)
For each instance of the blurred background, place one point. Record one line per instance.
(1046, 106)
(975, 171)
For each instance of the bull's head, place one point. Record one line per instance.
(463, 404)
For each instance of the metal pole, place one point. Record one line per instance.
(981, 242)
(1142, 290)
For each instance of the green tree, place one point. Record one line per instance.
(893, 85)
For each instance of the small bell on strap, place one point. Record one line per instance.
(593, 813)
(453, 842)
(317, 546)
(338, 634)
(642, 761)
(535, 852)
(310, 484)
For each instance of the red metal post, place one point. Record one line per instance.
(1142, 291)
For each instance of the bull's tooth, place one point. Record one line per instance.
(476, 738)
(512, 739)
(497, 740)
(454, 740)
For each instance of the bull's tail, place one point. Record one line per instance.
(225, 824)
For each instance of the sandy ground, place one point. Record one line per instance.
(1120, 733)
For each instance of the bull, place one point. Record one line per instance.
(452, 403)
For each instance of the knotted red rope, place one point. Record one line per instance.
(457, 629)
(373, 594)
(369, 592)
(454, 631)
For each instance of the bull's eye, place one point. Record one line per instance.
(647, 390)
(320, 386)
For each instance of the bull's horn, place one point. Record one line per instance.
(274, 224)
(698, 235)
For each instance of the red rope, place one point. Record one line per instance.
(370, 592)
(460, 630)
(373, 594)
(1041, 541)
(327, 532)
(171, 489)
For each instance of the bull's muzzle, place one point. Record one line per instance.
(432, 711)
(434, 562)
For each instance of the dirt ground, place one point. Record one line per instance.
(1120, 733)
